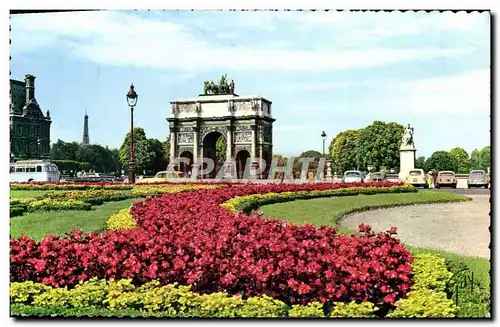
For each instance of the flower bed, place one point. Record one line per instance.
(19, 207)
(28, 186)
(123, 298)
(91, 185)
(189, 238)
(83, 199)
(121, 220)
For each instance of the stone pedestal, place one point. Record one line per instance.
(303, 177)
(253, 171)
(194, 171)
(406, 161)
(329, 176)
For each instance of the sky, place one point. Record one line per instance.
(328, 71)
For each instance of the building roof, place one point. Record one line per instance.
(220, 98)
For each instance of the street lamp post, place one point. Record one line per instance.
(323, 135)
(38, 142)
(132, 101)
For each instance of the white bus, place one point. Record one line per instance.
(34, 171)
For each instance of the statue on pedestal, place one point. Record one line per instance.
(407, 140)
(231, 87)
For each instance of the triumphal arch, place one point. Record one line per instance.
(241, 125)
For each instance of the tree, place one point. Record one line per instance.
(343, 150)
(158, 162)
(420, 163)
(64, 150)
(313, 165)
(381, 140)
(481, 159)
(475, 159)
(220, 151)
(311, 154)
(441, 160)
(166, 150)
(282, 160)
(92, 156)
(462, 159)
(144, 155)
(485, 158)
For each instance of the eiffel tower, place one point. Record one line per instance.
(85, 129)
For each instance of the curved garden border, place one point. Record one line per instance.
(218, 257)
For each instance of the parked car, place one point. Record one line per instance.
(378, 177)
(416, 177)
(446, 178)
(477, 178)
(353, 176)
(162, 176)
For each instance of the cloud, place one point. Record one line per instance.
(291, 128)
(466, 94)
(388, 23)
(116, 38)
(175, 79)
(328, 85)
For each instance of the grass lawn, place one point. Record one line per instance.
(328, 211)
(41, 223)
(22, 194)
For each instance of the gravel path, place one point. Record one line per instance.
(454, 227)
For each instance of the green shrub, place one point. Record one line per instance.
(25, 292)
(48, 204)
(121, 220)
(53, 297)
(424, 303)
(261, 306)
(427, 298)
(430, 272)
(311, 310)
(353, 310)
(18, 210)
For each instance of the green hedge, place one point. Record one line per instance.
(68, 187)
(254, 201)
(151, 299)
(53, 201)
(427, 299)
(19, 207)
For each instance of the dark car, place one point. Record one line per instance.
(477, 178)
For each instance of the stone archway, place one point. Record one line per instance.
(267, 161)
(241, 162)
(209, 150)
(245, 122)
(184, 167)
